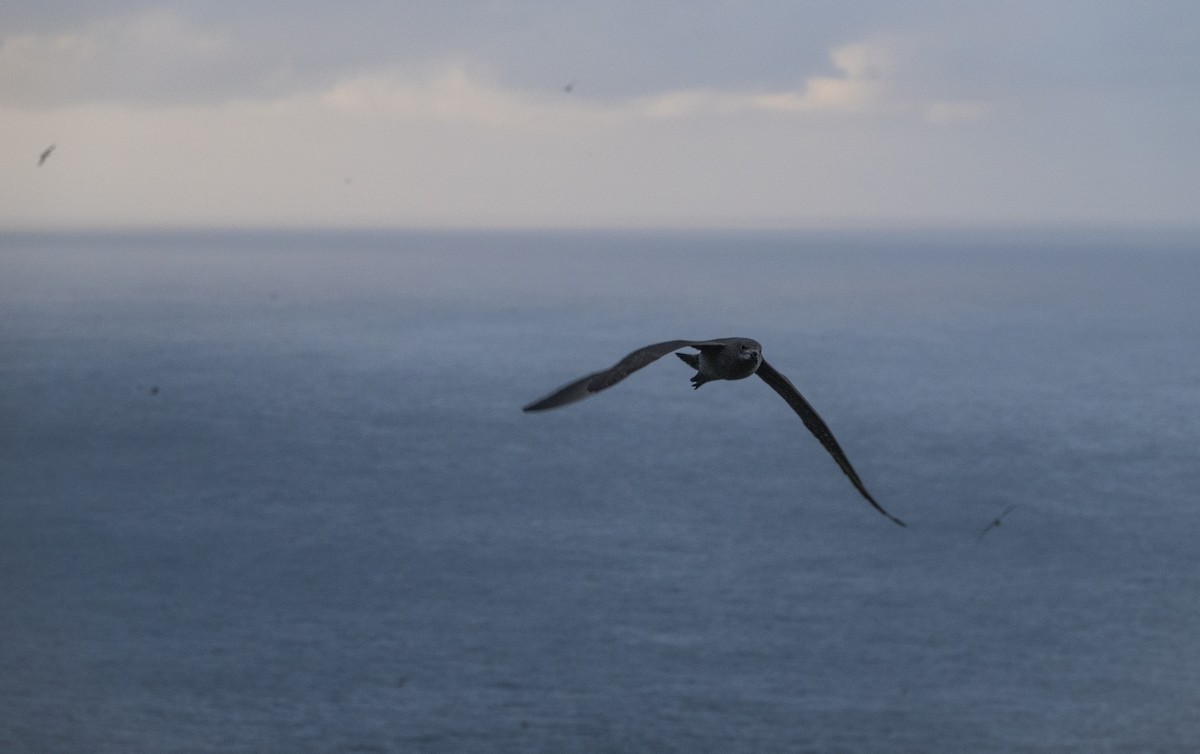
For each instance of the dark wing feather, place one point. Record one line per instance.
(597, 381)
(817, 426)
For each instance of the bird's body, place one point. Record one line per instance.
(718, 359)
(739, 359)
(45, 153)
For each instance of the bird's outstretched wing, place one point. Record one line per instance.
(606, 378)
(817, 426)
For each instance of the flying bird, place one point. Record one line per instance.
(46, 153)
(995, 522)
(718, 359)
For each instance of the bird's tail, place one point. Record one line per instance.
(693, 361)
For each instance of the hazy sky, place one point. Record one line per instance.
(569, 113)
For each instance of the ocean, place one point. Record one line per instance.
(274, 492)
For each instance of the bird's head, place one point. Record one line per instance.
(749, 352)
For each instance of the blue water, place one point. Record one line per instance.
(274, 492)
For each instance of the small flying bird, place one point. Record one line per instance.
(46, 153)
(995, 522)
(718, 359)
(570, 87)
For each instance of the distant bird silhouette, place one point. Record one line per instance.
(995, 522)
(718, 359)
(569, 87)
(45, 154)
(154, 390)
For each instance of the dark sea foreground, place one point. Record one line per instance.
(274, 493)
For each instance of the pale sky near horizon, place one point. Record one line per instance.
(617, 114)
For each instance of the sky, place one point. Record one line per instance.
(625, 113)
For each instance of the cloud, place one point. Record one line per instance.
(860, 87)
(452, 144)
(449, 95)
(863, 87)
(150, 57)
(220, 113)
(160, 58)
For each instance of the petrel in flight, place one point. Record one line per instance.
(995, 522)
(719, 359)
(45, 153)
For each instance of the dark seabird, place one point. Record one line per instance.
(45, 154)
(719, 359)
(995, 522)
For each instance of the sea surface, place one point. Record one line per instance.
(274, 492)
